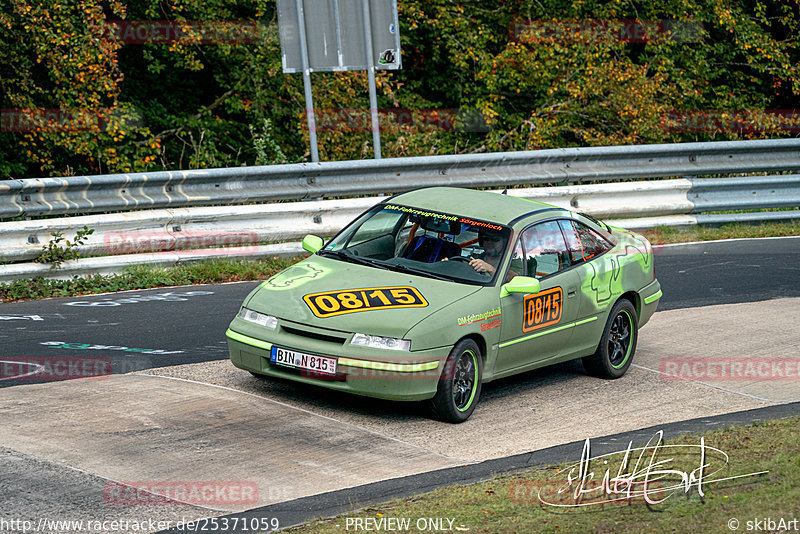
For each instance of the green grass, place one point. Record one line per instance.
(143, 276)
(227, 270)
(668, 234)
(510, 504)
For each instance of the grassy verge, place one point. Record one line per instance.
(510, 503)
(667, 234)
(225, 270)
(143, 276)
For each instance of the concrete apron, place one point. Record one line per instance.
(157, 432)
(749, 349)
(151, 428)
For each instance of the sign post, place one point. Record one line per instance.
(312, 121)
(373, 93)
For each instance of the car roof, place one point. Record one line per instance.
(485, 205)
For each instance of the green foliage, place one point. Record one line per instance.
(525, 68)
(55, 253)
(268, 152)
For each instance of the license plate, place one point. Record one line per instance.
(300, 360)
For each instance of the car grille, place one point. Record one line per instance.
(314, 335)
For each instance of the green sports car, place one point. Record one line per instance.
(431, 293)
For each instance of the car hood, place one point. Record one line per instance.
(282, 296)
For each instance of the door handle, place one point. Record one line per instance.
(571, 292)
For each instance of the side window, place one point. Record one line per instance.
(517, 265)
(379, 225)
(542, 250)
(583, 242)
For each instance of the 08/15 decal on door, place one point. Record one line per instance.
(542, 309)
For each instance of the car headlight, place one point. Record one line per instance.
(259, 318)
(378, 342)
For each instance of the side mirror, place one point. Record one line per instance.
(312, 243)
(520, 284)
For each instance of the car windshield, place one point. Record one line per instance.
(418, 241)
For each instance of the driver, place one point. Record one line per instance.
(492, 244)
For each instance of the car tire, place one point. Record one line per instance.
(617, 345)
(460, 384)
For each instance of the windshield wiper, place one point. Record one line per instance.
(342, 255)
(412, 270)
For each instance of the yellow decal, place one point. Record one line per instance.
(332, 303)
(421, 212)
(542, 309)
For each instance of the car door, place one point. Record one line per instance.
(537, 327)
(599, 282)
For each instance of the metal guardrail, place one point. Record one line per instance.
(170, 236)
(183, 228)
(119, 192)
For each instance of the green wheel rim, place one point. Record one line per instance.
(620, 339)
(465, 378)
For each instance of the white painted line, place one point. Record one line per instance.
(726, 240)
(309, 412)
(711, 386)
(17, 377)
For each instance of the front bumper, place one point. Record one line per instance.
(384, 374)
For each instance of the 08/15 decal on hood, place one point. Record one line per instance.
(330, 303)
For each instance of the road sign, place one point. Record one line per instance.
(335, 35)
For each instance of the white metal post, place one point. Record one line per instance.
(312, 122)
(373, 94)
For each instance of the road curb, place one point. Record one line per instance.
(298, 511)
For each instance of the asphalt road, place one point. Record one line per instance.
(71, 439)
(726, 272)
(132, 331)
